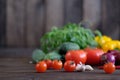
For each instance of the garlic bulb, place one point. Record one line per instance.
(83, 67)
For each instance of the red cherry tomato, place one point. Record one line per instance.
(49, 63)
(57, 64)
(77, 56)
(93, 56)
(41, 66)
(109, 68)
(69, 66)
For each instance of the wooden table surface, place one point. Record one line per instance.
(19, 68)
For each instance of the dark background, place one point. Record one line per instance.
(23, 22)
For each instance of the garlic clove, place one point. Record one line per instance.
(83, 68)
(88, 68)
(78, 67)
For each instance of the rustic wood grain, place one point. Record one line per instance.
(73, 11)
(110, 19)
(23, 22)
(2, 22)
(20, 69)
(35, 22)
(92, 12)
(54, 13)
(16, 52)
(15, 29)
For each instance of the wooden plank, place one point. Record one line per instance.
(2, 22)
(15, 23)
(54, 13)
(73, 11)
(92, 12)
(16, 52)
(35, 22)
(111, 20)
(20, 69)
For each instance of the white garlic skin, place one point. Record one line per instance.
(83, 67)
(88, 68)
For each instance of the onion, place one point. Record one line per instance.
(107, 57)
(116, 53)
(117, 57)
(112, 52)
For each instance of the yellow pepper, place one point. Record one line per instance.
(117, 42)
(110, 45)
(106, 43)
(102, 40)
(118, 45)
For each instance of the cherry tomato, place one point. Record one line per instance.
(109, 68)
(41, 66)
(69, 66)
(49, 63)
(93, 56)
(57, 64)
(77, 56)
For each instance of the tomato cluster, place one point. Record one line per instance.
(89, 56)
(72, 58)
(42, 66)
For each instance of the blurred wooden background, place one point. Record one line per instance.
(23, 22)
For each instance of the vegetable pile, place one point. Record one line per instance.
(69, 33)
(68, 66)
(75, 48)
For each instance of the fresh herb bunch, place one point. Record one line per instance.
(71, 32)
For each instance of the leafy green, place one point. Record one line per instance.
(97, 32)
(69, 33)
(53, 55)
(68, 46)
(38, 55)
